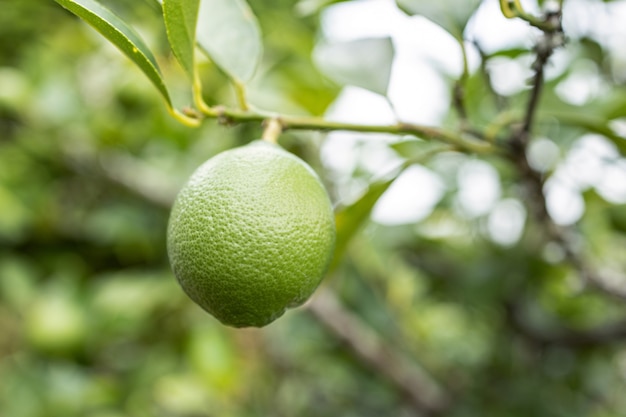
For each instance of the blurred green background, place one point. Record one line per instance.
(93, 323)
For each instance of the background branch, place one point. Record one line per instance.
(419, 387)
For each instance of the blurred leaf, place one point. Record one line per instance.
(17, 282)
(181, 17)
(211, 353)
(121, 35)
(612, 105)
(414, 147)
(15, 215)
(309, 7)
(480, 101)
(452, 15)
(55, 322)
(349, 219)
(364, 63)
(602, 115)
(591, 123)
(125, 298)
(617, 216)
(229, 33)
(509, 53)
(591, 49)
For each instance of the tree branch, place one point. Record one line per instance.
(312, 123)
(229, 116)
(534, 181)
(419, 387)
(551, 40)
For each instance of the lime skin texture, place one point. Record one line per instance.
(251, 234)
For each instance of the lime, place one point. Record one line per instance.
(251, 234)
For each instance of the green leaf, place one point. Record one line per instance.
(364, 63)
(181, 17)
(452, 15)
(121, 35)
(511, 53)
(591, 123)
(597, 116)
(310, 7)
(411, 148)
(349, 219)
(229, 33)
(617, 216)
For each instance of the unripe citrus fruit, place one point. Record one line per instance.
(251, 234)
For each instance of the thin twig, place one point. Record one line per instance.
(458, 93)
(544, 49)
(543, 55)
(521, 136)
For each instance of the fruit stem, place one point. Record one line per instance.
(187, 119)
(273, 129)
(199, 100)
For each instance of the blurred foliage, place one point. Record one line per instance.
(94, 324)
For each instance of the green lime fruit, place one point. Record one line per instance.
(251, 234)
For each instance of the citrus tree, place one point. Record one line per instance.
(498, 290)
